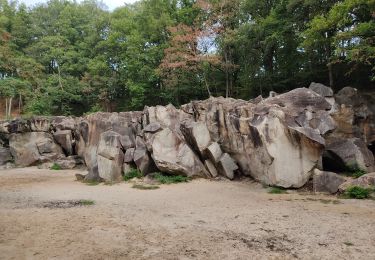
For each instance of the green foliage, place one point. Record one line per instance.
(133, 173)
(145, 187)
(277, 190)
(55, 167)
(73, 57)
(354, 171)
(357, 192)
(170, 179)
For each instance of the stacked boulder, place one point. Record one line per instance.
(279, 141)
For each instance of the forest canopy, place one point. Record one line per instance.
(69, 58)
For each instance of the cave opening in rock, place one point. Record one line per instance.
(332, 162)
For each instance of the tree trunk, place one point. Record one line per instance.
(207, 87)
(10, 107)
(20, 104)
(226, 74)
(60, 83)
(6, 108)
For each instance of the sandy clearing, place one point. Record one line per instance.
(197, 220)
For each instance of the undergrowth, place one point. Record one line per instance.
(354, 171)
(145, 187)
(356, 192)
(169, 179)
(277, 190)
(87, 202)
(133, 173)
(55, 167)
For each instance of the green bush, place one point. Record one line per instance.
(169, 179)
(356, 192)
(55, 167)
(133, 173)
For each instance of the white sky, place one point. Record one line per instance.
(112, 4)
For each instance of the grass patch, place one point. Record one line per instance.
(169, 179)
(92, 183)
(87, 202)
(145, 187)
(133, 173)
(55, 167)
(277, 190)
(356, 192)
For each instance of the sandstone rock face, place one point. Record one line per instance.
(5, 155)
(328, 182)
(321, 89)
(365, 181)
(33, 147)
(67, 163)
(172, 155)
(214, 152)
(197, 135)
(277, 140)
(211, 168)
(351, 152)
(65, 140)
(254, 134)
(110, 156)
(354, 115)
(227, 166)
(90, 128)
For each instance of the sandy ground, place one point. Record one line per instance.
(197, 220)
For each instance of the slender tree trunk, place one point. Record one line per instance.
(226, 74)
(6, 108)
(60, 83)
(207, 87)
(10, 107)
(20, 104)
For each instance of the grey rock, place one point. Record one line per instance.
(321, 89)
(351, 152)
(365, 181)
(227, 166)
(5, 155)
(328, 182)
(110, 157)
(65, 140)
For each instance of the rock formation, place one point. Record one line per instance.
(277, 141)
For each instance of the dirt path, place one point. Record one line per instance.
(197, 220)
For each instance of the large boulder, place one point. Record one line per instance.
(227, 166)
(343, 153)
(197, 135)
(321, 89)
(142, 158)
(365, 181)
(31, 148)
(110, 156)
(328, 182)
(172, 155)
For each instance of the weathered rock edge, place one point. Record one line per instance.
(277, 141)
